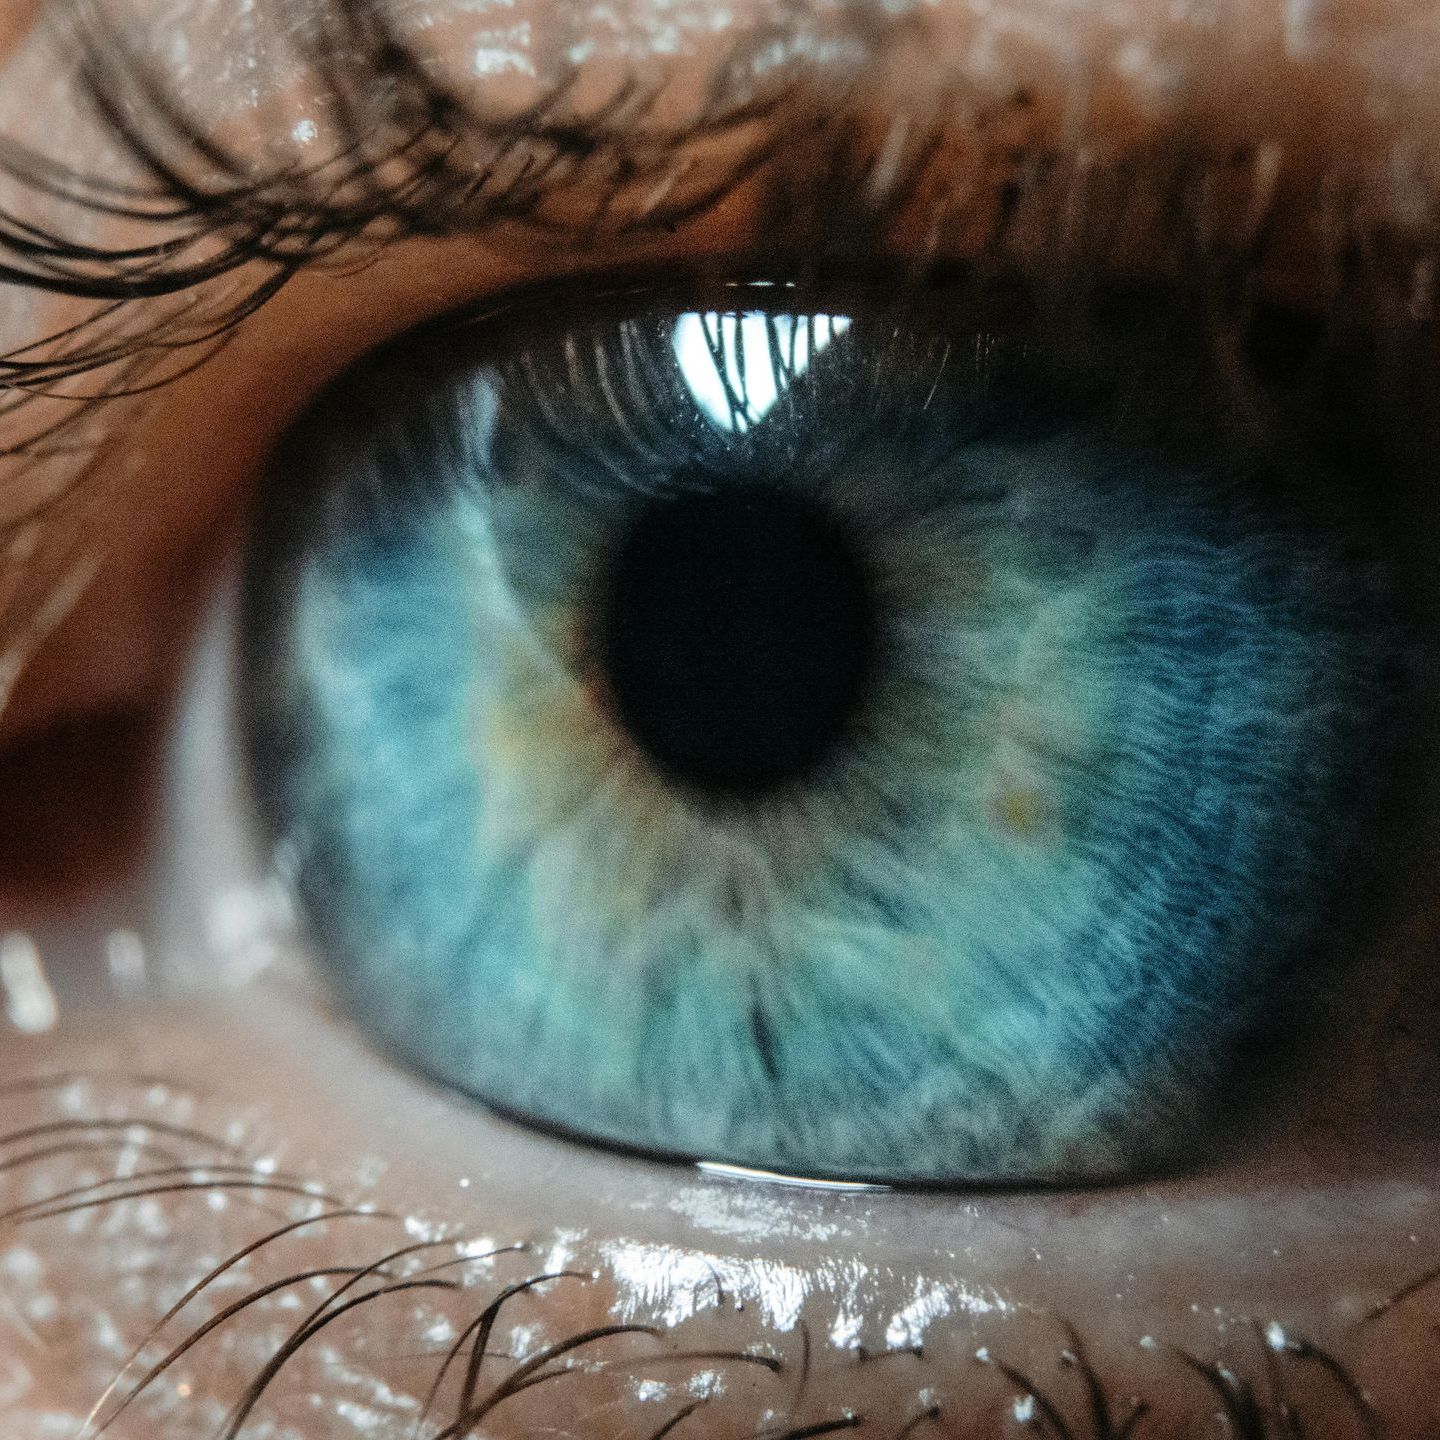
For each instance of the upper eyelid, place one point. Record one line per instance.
(198, 233)
(859, 175)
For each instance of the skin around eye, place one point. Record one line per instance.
(1299, 1267)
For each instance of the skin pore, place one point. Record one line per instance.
(199, 1080)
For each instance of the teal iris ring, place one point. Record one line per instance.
(976, 860)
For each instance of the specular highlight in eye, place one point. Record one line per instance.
(925, 774)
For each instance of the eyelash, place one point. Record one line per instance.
(405, 163)
(410, 157)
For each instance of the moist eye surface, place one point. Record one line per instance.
(823, 738)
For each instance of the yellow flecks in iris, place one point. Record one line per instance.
(549, 752)
(1022, 810)
(539, 743)
(558, 630)
(551, 733)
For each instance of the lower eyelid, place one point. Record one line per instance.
(925, 1284)
(1201, 1265)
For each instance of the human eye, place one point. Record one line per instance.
(1084, 873)
(817, 736)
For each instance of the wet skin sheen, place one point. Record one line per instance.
(195, 1089)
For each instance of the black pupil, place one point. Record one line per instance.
(739, 632)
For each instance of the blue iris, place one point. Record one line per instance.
(808, 741)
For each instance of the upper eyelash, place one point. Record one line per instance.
(411, 158)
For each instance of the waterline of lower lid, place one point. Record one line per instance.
(799, 1182)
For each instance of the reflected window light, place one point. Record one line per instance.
(29, 1001)
(738, 364)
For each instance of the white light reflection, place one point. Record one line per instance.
(737, 364)
(29, 1001)
(125, 960)
(748, 1173)
(668, 1284)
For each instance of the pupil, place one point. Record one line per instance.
(738, 634)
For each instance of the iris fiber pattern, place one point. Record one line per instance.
(1065, 831)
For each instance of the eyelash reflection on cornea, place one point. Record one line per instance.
(406, 153)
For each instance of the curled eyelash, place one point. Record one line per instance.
(263, 1305)
(217, 229)
(404, 157)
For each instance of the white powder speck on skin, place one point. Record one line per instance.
(907, 1327)
(845, 1332)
